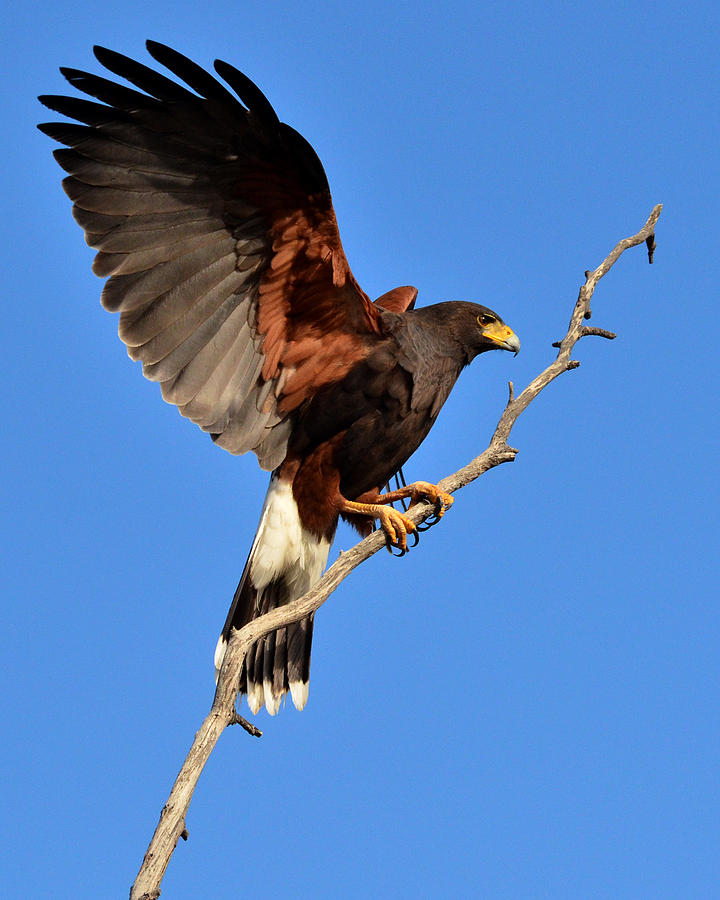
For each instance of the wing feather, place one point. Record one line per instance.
(113, 262)
(206, 359)
(233, 375)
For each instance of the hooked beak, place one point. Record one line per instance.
(504, 337)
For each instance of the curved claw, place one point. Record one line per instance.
(439, 512)
(443, 503)
(440, 499)
(428, 523)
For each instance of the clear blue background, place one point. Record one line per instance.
(527, 705)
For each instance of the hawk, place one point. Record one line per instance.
(215, 229)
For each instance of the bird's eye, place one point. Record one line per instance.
(485, 320)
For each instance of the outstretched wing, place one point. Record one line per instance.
(215, 223)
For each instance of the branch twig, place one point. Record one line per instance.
(172, 819)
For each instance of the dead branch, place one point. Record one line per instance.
(171, 826)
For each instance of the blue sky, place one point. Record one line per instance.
(525, 706)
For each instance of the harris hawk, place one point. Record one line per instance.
(215, 228)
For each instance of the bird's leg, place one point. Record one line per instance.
(420, 490)
(395, 524)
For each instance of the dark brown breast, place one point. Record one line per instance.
(385, 406)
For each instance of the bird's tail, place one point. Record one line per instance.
(284, 562)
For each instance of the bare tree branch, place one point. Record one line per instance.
(172, 819)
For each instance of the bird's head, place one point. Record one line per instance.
(494, 334)
(481, 329)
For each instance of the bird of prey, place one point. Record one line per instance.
(215, 228)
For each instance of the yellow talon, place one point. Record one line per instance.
(423, 490)
(445, 501)
(396, 526)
